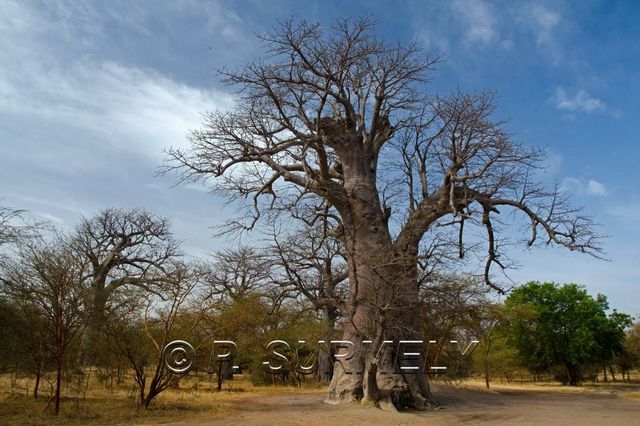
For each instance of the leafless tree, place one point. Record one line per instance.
(312, 264)
(236, 273)
(9, 232)
(336, 123)
(122, 248)
(313, 267)
(15, 226)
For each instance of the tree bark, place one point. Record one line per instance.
(487, 380)
(37, 385)
(573, 373)
(325, 354)
(385, 308)
(220, 377)
(613, 376)
(325, 364)
(58, 386)
(384, 302)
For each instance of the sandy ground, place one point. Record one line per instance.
(500, 406)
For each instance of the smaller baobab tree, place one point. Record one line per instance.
(337, 119)
(119, 249)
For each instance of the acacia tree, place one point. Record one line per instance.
(46, 279)
(485, 320)
(452, 305)
(337, 123)
(141, 328)
(25, 335)
(630, 355)
(9, 232)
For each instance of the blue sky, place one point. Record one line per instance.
(92, 92)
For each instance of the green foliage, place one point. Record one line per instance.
(495, 358)
(630, 355)
(562, 325)
(251, 321)
(23, 334)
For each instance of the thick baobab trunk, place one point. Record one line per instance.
(325, 364)
(385, 308)
(384, 304)
(97, 320)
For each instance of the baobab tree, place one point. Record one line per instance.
(121, 248)
(337, 123)
(236, 273)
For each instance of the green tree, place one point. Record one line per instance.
(563, 325)
(45, 280)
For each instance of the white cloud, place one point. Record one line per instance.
(544, 23)
(580, 102)
(591, 187)
(85, 103)
(134, 110)
(596, 188)
(478, 20)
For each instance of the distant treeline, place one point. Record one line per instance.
(108, 296)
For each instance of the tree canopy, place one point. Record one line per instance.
(563, 325)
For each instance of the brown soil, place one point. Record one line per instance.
(500, 406)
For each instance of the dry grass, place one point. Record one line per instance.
(197, 401)
(624, 388)
(196, 398)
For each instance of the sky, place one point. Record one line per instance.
(93, 92)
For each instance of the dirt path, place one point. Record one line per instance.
(460, 406)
